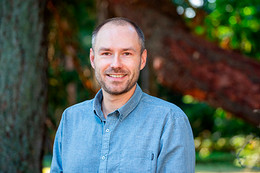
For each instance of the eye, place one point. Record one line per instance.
(127, 53)
(106, 53)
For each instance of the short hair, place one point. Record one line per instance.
(120, 21)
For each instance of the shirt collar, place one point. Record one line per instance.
(97, 105)
(131, 104)
(125, 110)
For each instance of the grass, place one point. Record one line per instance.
(220, 167)
(220, 162)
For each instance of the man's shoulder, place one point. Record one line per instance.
(152, 102)
(85, 105)
(157, 102)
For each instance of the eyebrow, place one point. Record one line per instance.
(124, 49)
(130, 48)
(103, 49)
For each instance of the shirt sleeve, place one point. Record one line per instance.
(56, 164)
(177, 151)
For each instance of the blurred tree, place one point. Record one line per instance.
(69, 71)
(23, 85)
(189, 64)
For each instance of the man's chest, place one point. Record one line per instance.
(113, 146)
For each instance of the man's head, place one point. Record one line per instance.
(117, 55)
(120, 21)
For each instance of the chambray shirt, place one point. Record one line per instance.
(147, 134)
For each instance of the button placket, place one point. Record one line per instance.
(108, 126)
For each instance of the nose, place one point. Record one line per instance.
(116, 61)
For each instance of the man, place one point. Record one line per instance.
(122, 129)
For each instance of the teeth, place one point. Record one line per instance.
(116, 75)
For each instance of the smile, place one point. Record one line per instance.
(116, 75)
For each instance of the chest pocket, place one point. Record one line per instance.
(136, 161)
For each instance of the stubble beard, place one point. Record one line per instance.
(110, 90)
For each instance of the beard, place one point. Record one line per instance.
(114, 87)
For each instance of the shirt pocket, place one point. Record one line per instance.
(136, 161)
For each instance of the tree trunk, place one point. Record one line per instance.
(23, 85)
(189, 64)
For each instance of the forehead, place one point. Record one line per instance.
(114, 35)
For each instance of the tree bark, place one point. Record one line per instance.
(189, 64)
(23, 85)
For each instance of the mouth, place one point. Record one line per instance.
(116, 75)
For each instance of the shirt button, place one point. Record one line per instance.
(103, 157)
(107, 130)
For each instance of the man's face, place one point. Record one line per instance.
(117, 58)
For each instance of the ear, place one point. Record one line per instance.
(143, 59)
(92, 57)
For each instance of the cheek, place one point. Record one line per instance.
(101, 66)
(135, 68)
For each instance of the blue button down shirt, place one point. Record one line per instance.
(147, 134)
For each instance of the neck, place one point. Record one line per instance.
(110, 103)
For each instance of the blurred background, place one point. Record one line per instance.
(203, 55)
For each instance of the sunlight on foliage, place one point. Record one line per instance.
(188, 99)
(204, 152)
(46, 170)
(247, 11)
(237, 141)
(197, 142)
(236, 25)
(224, 31)
(233, 24)
(247, 150)
(220, 143)
(232, 20)
(190, 13)
(196, 3)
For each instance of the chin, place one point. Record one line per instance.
(118, 89)
(116, 92)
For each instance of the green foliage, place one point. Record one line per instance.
(206, 120)
(236, 25)
(200, 115)
(245, 150)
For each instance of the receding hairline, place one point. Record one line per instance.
(117, 24)
(120, 21)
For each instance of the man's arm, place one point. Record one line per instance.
(56, 164)
(177, 151)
